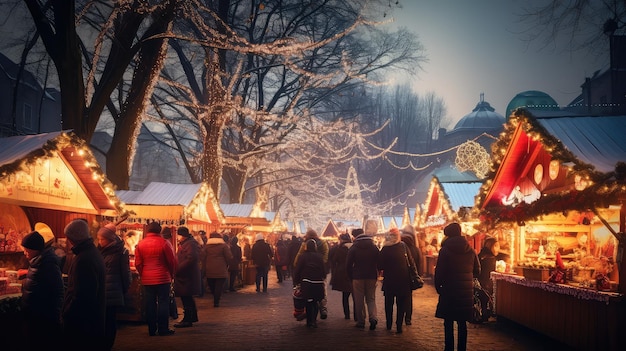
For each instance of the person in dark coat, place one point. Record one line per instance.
(322, 248)
(339, 280)
(293, 248)
(310, 273)
(84, 306)
(394, 261)
(42, 294)
(233, 265)
(457, 266)
(361, 266)
(117, 277)
(407, 235)
(487, 258)
(281, 259)
(187, 279)
(261, 254)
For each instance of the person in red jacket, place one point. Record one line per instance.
(156, 264)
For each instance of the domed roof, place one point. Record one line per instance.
(482, 117)
(533, 99)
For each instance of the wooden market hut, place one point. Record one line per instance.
(445, 203)
(51, 178)
(330, 230)
(559, 185)
(192, 205)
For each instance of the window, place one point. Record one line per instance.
(27, 114)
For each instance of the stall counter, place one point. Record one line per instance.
(583, 318)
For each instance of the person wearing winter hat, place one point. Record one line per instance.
(261, 255)
(42, 294)
(84, 307)
(156, 263)
(457, 266)
(118, 277)
(187, 280)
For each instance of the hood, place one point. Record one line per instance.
(456, 244)
(363, 240)
(392, 240)
(215, 241)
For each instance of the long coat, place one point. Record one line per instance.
(233, 265)
(262, 254)
(117, 272)
(487, 265)
(310, 274)
(457, 266)
(393, 262)
(337, 258)
(187, 280)
(84, 304)
(42, 296)
(217, 255)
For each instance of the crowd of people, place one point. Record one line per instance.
(81, 312)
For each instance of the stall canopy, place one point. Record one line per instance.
(175, 203)
(55, 171)
(546, 165)
(245, 216)
(448, 201)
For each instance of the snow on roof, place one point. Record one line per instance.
(237, 210)
(461, 194)
(18, 147)
(157, 193)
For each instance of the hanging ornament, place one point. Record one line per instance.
(471, 156)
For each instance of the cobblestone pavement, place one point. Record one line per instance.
(247, 320)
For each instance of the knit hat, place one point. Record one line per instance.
(45, 232)
(452, 229)
(33, 241)
(183, 231)
(356, 232)
(153, 227)
(108, 232)
(77, 231)
(259, 237)
(344, 238)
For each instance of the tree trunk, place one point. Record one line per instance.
(151, 58)
(234, 180)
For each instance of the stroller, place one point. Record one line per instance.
(483, 304)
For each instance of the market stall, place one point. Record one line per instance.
(245, 220)
(172, 205)
(46, 180)
(446, 202)
(557, 191)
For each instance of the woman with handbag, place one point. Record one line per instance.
(395, 261)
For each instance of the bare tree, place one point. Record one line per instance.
(584, 22)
